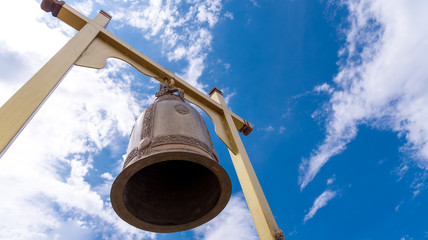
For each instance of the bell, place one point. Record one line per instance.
(171, 180)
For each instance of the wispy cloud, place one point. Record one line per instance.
(229, 15)
(255, 3)
(320, 202)
(323, 88)
(183, 28)
(331, 180)
(406, 237)
(271, 129)
(398, 206)
(382, 81)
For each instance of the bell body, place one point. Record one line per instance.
(171, 180)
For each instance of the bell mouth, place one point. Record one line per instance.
(170, 191)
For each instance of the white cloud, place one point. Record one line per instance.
(52, 157)
(268, 129)
(229, 15)
(85, 7)
(398, 206)
(323, 88)
(209, 12)
(44, 171)
(382, 81)
(233, 223)
(255, 3)
(182, 27)
(228, 95)
(320, 202)
(401, 171)
(407, 237)
(71, 230)
(331, 180)
(107, 176)
(227, 66)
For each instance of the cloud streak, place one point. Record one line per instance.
(381, 82)
(320, 202)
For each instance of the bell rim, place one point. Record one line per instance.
(116, 193)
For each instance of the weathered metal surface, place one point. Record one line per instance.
(171, 180)
(247, 128)
(52, 6)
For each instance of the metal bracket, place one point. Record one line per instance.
(52, 6)
(247, 128)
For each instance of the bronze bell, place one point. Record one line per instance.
(171, 180)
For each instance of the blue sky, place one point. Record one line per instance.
(336, 91)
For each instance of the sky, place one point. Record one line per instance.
(335, 90)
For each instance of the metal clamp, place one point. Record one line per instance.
(247, 128)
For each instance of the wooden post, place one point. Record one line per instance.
(256, 200)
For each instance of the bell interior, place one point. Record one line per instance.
(172, 192)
